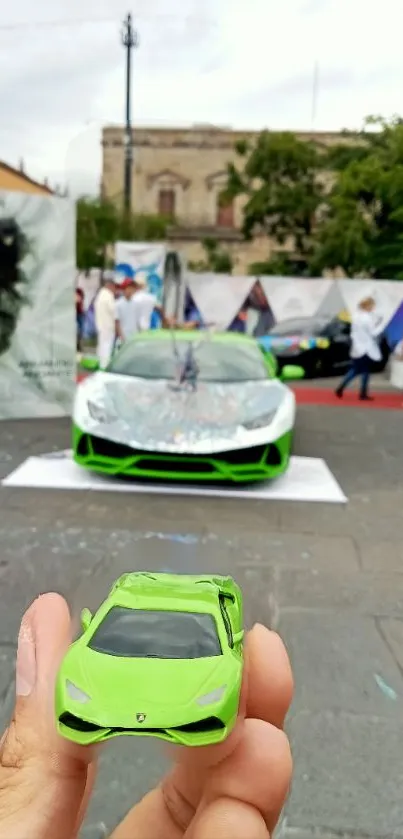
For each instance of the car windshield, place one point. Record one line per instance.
(216, 361)
(298, 326)
(133, 633)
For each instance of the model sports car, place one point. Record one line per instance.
(186, 406)
(320, 345)
(162, 657)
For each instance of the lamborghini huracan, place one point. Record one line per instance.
(180, 406)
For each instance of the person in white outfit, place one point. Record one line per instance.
(135, 308)
(365, 331)
(126, 316)
(105, 321)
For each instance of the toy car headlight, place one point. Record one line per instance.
(260, 422)
(213, 696)
(76, 693)
(99, 413)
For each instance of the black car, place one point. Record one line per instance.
(320, 345)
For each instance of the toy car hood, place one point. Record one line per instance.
(153, 416)
(145, 686)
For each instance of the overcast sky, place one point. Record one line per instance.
(240, 63)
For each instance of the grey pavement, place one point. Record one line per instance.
(329, 578)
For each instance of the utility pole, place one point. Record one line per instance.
(130, 40)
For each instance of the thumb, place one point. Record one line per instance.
(43, 778)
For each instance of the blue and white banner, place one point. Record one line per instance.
(141, 259)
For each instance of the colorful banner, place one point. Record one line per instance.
(141, 259)
(220, 298)
(37, 313)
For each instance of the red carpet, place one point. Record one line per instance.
(324, 396)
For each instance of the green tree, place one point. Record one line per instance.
(97, 226)
(362, 228)
(217, 259)
(100, 224)
(278, 176)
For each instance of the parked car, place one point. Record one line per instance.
(320, 345)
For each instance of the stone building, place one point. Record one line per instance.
(181, 172)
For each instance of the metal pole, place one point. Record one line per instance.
(129, 40)
(315, 92)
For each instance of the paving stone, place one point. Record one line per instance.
(364, 593)
(306, 551)
(122, 761)
(386, 557)
(348, 775)
(340, 663)
(7, 682)
(392, 631)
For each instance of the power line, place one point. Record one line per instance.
(45, 24)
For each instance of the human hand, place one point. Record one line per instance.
(231, 791)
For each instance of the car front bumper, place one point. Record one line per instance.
(244, 465)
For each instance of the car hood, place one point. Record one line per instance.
(153, 416)
(126, 686)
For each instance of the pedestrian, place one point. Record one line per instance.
(365, 330)
(135, 308)
(145, 305)
(126, 316)
(79, 319)
(105, 321)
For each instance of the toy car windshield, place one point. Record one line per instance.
(132, 633)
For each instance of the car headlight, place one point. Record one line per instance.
(212, 697)
(76, 693)
(260, 422)
(99, 413)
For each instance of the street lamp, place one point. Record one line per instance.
(130, 40)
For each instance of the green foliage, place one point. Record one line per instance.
(362, 231)
(217, 259)
(100, 224)
(351, 221)
(278, 177)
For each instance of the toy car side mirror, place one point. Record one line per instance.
(238, 637)
(86, 618)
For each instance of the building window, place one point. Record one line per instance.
(166, 202)
(225, 214)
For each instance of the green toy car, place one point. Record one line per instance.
(161, 657)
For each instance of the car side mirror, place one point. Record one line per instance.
(292, 372)
(86, 618)
(90, 363)
(238, 637)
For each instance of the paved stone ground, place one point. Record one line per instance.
(329, 578)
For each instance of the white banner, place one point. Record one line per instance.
(219, 297)
(144, 259)
(37, 312)
(291, 298)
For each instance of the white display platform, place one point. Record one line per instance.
(307, 479)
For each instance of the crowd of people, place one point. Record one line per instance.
(123, 309)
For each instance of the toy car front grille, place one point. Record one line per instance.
(200, 727)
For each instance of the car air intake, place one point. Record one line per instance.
(200, 727)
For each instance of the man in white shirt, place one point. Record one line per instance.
(135, 308)
(365, 330)
(105, 321)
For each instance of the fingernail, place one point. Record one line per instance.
(26, 659)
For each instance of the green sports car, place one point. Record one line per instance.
(186, 406)
(161, 657)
